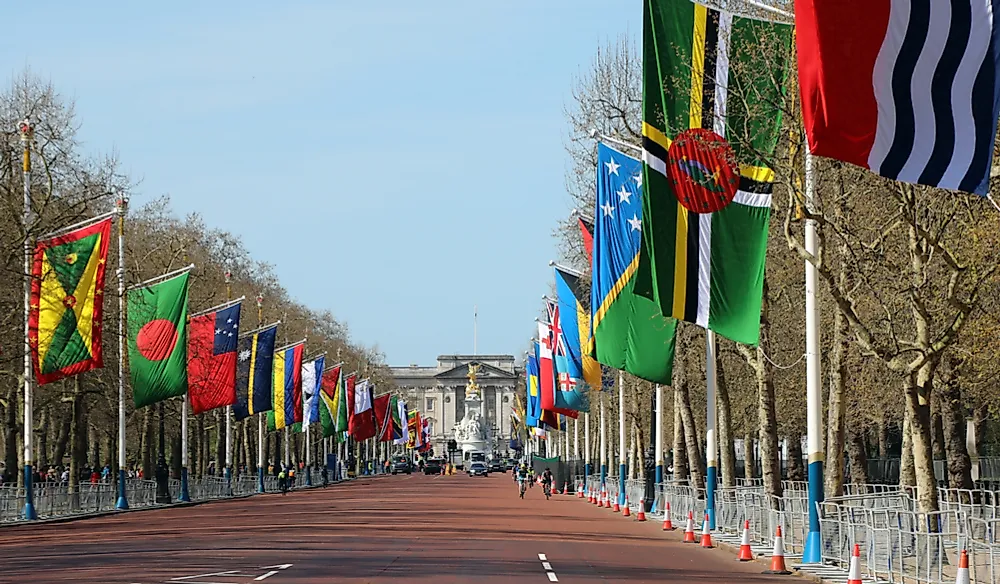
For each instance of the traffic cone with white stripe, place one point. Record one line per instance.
(706, 534)
(617, 508)
(746, 554)
(962, 577)
(641, 515)
(668, 525)
(625, 511)
(854, 575)
(689, 530)
(580, 487)
(778, 557)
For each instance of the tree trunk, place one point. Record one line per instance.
(949, 399)
(918, 408)
(94, 460)
(62, 438)
(220, 442)
(78, 442)
(883, 438)
(836, 405)
(796, 472)
(42, 447)
(937, 431)
(907, 473)
(175, 455)
(680, 472)
(727, 444)
(696, 461)
(857, 457)
(767, 422)
(10, 433)
(250, 461)
(149, 443)
(749, 459)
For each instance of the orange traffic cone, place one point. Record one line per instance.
(706, 535)
(778, 557)
(963, 569)
(565, 488)
(689, 530)
(607, 500)
(746, 554)
(668, 525)
(641, 515)
(617, 508)
(854, 575)
(580, 488)
(599, 499)
(625, 511)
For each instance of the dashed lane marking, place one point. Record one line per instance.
(547, 566)
(542, 557)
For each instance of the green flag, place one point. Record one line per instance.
(329, 390)
(341, 402)
(157, 340)
(708, 76)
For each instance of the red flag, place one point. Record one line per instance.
(360, 417)
(587, 231)
(212, 358)
(383, 418)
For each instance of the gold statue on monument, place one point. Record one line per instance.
(472, 388)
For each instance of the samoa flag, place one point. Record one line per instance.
(906, 88)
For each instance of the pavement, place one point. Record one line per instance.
(404, 528)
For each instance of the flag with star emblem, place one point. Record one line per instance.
(157, 340)
(67, 302)
(212, 340)
(329, 388)
(705, 217)
(575, 321)
(254, 367)
(629, 333)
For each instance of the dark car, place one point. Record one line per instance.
(432, 467)
(478, 469)
(401, 465)
(497, 466)
(509, 465)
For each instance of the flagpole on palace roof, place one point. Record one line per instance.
(122, 210)
(27, 136)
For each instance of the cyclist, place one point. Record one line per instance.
(547, 482)
(531, 478)
(521, 476)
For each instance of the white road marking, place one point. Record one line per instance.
(542, 557)
(547, 566)
(552, 577)
(265, 576)
(226, 573)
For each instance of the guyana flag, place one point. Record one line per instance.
(157, 340)
(67, 302)
(397, 424)
(711, 85)
(330, 387)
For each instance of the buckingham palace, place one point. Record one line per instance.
(438, 391)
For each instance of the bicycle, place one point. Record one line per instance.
(523, 488)
(547, 488)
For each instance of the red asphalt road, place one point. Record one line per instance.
(439, 529)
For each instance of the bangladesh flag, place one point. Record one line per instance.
(712, 85)
(157, 340)
(67, 302)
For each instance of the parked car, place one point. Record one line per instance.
(497, 465)
(509, 464)
(401, 465)
(478, 469)
(432, 466)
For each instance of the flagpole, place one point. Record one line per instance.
(712, 446)
(586, 444)
(185, 497)
(659, 434)
(228, 471)
(305, 420)
(812, 551)
(604, 443)
(622, 469)
(576, 438)
(260, 416)
(122, 205)
(27, 135)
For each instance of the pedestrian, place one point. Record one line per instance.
(283, 482)
(94, 477)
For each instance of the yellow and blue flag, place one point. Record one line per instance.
(533, 401)
(287, 387)
(254, 364)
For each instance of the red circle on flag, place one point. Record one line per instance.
(156, 339)
(703, 170)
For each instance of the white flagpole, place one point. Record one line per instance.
(185, 497)
(122, 491)
(27, 135)
(261, 467)
(228, 472)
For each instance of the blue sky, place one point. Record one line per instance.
(419, 143)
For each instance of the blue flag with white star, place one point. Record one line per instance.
(629, 332)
